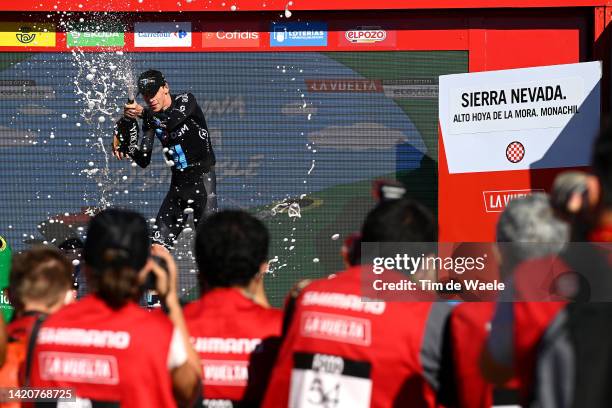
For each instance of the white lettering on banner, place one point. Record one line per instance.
(84, 337)
(342, 301)
(225, 372)
(225, 345)
(77, 367)
(345, 329)
(496, 201)
(552, 110)
(237, 35)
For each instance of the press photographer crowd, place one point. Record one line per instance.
(330, 346)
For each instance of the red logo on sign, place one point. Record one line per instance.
(365, 36)
(515, 152)
(344, 85)
(496, 201)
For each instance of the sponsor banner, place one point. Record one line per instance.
(170, 34)
(417, 88)
(231, 39)
(27, 35)
(77, 367)
(344, 85)
(334, 327)
(496, 201)
(298, 35)
(520, 119)
(94, 39)
(367, 36)
(24, 89)
(226, 372)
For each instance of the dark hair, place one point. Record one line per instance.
(403, 220)
(116, 249)
(601, 162)
(42, 274)
(229, 249)
(398, 221)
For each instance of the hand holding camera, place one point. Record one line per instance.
(160, 272)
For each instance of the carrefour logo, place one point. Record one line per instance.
(161, 35)
(365, 36)
(180, 34)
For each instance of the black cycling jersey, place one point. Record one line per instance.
(182, 131)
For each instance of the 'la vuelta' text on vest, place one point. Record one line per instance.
(84, 337)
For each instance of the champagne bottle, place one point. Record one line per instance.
(127, 129)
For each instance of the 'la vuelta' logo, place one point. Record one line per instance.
(25, 36)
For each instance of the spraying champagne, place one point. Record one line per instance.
(177, 122)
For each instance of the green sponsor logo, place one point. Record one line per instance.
(95, 39)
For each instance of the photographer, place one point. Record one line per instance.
(105, 347)
(233, 327)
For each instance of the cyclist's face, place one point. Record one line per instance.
(157, 101)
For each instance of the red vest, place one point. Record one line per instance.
(469, 329)
(533, 280)
(342, 352)
(20, 328)
(237, 340)
(106, 355)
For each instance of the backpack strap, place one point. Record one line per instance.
(31, 344)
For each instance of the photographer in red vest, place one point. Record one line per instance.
(343, 351)
(233, 328)
(527, 229)
(105, 347)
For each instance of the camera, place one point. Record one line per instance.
(150, 282)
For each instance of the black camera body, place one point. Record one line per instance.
(150, 282)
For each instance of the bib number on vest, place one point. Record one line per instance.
(328, 381)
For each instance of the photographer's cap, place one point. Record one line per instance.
(150, 81)
(117, 237)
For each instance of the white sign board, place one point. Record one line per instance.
(170, 34)
(520, 119)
